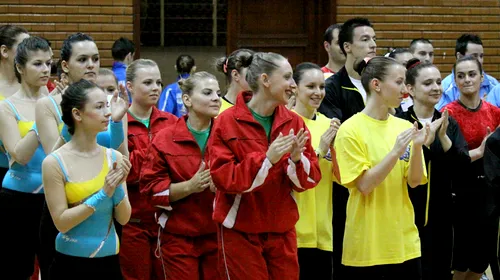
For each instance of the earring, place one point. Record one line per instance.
(378, 89)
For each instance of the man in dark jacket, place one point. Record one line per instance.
(345, 96)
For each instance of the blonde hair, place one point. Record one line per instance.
(136, 65)
(187, 85)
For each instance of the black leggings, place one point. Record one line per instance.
(409, 270)
(77, 268)
(20, 218)
(313, 261)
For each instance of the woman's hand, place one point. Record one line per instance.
(402, 142)
(420, 136)
(60, 87)
(113, 180)
(298, 146)
(280, 146)
(119, 104)
(444, 124)
(328, 137)
(201, 180)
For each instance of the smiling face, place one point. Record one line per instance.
(393, 88)
(427, 89)
(280, 82)
(363, 43)
(84, 62)
(36, 72)
(468, 77)
(146, 86)
(204, 99)
(311, 89)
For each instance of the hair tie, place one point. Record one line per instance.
(225, 66)
(413, 65)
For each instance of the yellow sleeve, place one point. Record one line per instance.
(351, 158)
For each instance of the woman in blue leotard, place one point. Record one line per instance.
(21, 198)
(80, 60)
(85, 190)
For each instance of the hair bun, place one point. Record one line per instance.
(412, 63)
(246, 61)
(360, 65)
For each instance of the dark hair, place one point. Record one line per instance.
(67, 46)
(233, 62)
(8, 34)
(302, 68)
(468, 58)
(75, 96)
(187, 85)
(419, 40)
(413, 68)
(328, 36)
(396, 51)
(259, 63)
(30, 44)
(375, 68)
(121, 48)
(346, 32)
(464, 40)
(184, 64)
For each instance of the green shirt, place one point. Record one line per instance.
(143, 121)
(201, 137)
(266, 122)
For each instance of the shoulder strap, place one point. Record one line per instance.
(56, 107)
(62, 166)
(18, 117)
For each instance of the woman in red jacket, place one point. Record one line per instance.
(139, 237)
(259, 152)
(175, 178)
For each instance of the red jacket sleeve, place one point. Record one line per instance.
(235, 177)
(306, 173)
(136, 156)
(154, 179)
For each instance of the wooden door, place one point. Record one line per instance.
(293, 28)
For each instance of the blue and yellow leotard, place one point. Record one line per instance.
(25, 178)
(96, 236)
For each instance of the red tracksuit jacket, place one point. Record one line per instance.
(174, 157)
(139, 139)
(254, 196)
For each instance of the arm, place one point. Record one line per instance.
(231, 175)
(53, 180)
(123, 147)
(20, 149)
(372, 177)
(123, 209)
(46, 123)
(492, 164)
(416, 167)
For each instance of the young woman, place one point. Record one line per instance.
(171, 97)
(10, 37)
(85, 190)
(21, 198)
(314, 228)
(476, 226)
(107, 81)
(79, 60)
(232, 68)
(378, 155)
(259, 152)
(140, 235)
(176, 179)
(445, 153)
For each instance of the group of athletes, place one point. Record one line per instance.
(371, 167)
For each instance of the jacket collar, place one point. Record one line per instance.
(181, 131)
(413, 116)
(345, 80)
(156, 115)
(243, 113)
(119, 64)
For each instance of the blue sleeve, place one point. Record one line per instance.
(116, 136)
(493, 96)
(172, 103)
(161, 100)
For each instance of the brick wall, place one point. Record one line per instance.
(104, 20)
(397, 22)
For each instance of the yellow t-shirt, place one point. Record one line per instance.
(314, 228)
(224, 105)
(2, 97)
(380, 227)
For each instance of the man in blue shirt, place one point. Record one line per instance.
(468, 44)
(123, 51)
(171, 98)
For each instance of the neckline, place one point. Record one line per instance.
(471, 109)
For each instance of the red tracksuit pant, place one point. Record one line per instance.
(190, 258)
(138, 253)
(263, 256)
